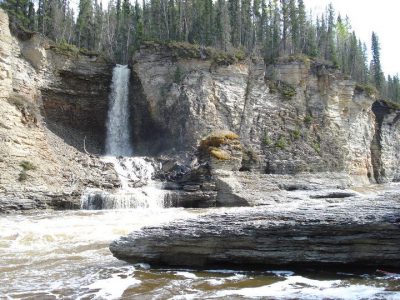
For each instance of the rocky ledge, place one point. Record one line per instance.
(358, 229)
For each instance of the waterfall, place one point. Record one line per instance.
(138, 189)
(118, 133)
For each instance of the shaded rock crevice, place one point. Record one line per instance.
(385, 146)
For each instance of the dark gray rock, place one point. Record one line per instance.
(357, 231)
(197, 199)
(191, 187)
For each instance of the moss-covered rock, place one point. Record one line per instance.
(222, 150)
(368, 89)
(185, 50)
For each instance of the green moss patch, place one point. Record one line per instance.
(195, 51)
(27, 165)
(286, 90)
(368, 89)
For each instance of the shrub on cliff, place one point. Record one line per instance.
(220, 145)
(30, 113)
(370, 90)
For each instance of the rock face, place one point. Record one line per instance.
(41, 167)
(385, 146)
(294, 118)
(330, 229)
(297, 116)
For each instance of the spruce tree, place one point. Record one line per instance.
(376, 62)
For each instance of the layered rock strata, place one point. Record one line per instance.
(316, 228)
(296, 116)
(42, 167)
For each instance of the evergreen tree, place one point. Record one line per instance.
(234, 16)
(223, 25)
(17, 10)
(330, 52)
(31, 17)
(294, 24)
(376, 69)
(302, 21)
(285, 24)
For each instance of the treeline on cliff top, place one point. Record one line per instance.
(268, 28)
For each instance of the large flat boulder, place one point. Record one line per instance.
(331, 229)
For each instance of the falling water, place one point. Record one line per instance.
(118, 134)
(135, 173)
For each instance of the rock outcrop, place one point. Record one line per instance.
(385, 147)
(294, 117)
(314, 229)
(40, 160)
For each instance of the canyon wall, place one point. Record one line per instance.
(295, 116)
(42, 160)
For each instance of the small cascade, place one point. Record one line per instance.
(138, 189)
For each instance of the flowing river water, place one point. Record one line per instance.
(64, 255)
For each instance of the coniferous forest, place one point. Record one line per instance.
(267, 28)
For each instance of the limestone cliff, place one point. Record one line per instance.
(296, 116)
(40, 167)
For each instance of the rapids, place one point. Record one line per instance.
(64, 255)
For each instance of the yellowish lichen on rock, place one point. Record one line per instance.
(220, 154)
(220, 144)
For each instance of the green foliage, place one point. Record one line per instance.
(267, 141)
(196, 28)
(24, 105)
(295, 134)
(286, 90)
(87, 52)
(249, 155)
(369, 89)
(66, 49)
(308, 119)
(316, 146)
(391, 104)
(303, 58)
(178, 75)
(27, 165)
(281, 143)
(376, 68)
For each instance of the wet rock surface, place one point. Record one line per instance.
(356, 230)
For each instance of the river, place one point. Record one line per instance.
(64, 255)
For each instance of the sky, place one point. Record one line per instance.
(381, 16)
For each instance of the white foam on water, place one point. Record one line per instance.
(112, 288)
(188, 275)
(282, 273)
(298, 287)
(69, 247)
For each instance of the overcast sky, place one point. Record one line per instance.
(381, 16)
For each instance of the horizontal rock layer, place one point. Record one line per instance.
(358, 230)
(52, 106)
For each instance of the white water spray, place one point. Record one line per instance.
(118, 133)
(135, 173)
